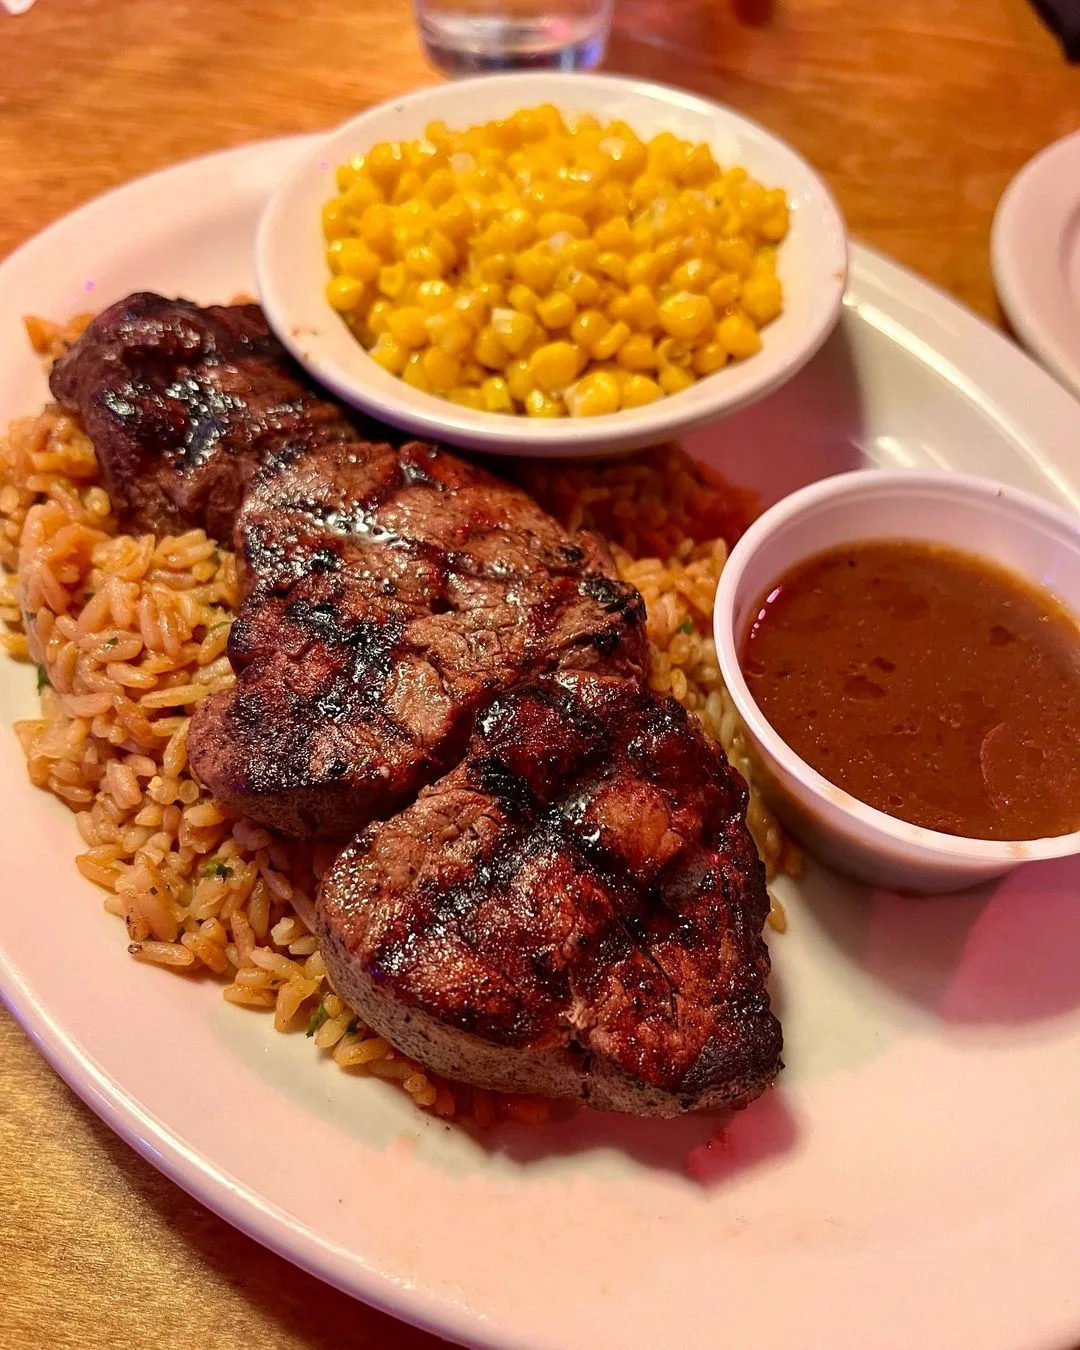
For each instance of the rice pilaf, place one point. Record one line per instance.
(130, 632)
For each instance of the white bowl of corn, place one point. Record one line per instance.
(548, 264)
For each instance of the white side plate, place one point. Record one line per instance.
(914, 1180)
(1035, 253)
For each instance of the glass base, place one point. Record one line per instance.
(470, 44)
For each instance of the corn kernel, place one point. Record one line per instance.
(467, 398)
(413, 374)
(346, 174)
(593, 395)
(672, 351)
(641, 312)
(613, 266)
(637, 353)
(345, 293)
(641, 234)
(473, 308)
(489, 350)
(434, 296)
(733, 255)
(588, 327)
(408, 325)
(491, 293)
(698, 165)
(774, 226)
(560, 222)
(673, 379)
(555, 365)
(724, 291)
(392, 280)
(472, 372)
(582, 288)
(512, 329)
(612, 199)
(360, 194)
(685, 315)
(536, 269)
(377, 316)
(556, 310)
(626, 151)
(375, 228)
(408, 185)
(496, 395)
(642, 269)
(497, 267)
(422, 261)
(637, 390)
(539, 404)
(389, 353)
(669, 254)
(449, 331)
(613, 234)
(454, 217)
(580, 253)
(355, 259)
(709, 357)
(384, 162)
(619, 307)
(522, 298)
(334, 220)
(440, 187)
(442, 371)
(519, 378)
(738, 335)
(606, 346)
(761, 298)
(520, 227)
(695, 274)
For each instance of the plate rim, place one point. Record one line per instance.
(877, 290)
(1013, 262)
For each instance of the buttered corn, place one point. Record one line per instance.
(531, 266)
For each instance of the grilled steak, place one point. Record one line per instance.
(394, 594)
(575, 910)
(182, 403)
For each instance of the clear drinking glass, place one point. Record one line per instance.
(467, 37)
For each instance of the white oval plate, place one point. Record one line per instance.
(291, 263)
(914, 1180)
(1035, 253)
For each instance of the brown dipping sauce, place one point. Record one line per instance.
(933, 685)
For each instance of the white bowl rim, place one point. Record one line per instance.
(874, 822)
(435, 417)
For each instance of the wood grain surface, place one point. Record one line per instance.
(918, 112)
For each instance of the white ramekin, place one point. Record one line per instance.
(1035, 539)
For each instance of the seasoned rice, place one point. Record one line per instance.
(129, 634)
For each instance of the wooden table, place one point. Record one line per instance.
(918, 114)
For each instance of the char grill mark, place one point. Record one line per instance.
(576, 909)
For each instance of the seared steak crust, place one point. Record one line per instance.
(182, 402)
(393, 594)
(575, 910)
